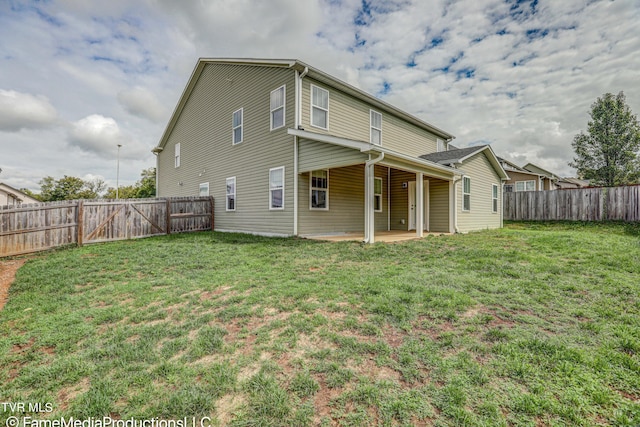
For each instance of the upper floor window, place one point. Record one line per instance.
(276, 188)
(466, 193)
(177, 155)
(442, 146)
(277, 107)
(319, 107)
(376, 127)
(237, 126)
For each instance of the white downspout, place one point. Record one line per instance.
(369, 220)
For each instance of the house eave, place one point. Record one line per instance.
(368, 148)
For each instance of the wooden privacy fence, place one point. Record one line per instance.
(43, 226)
(582, 204)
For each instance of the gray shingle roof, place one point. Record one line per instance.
(451, 156)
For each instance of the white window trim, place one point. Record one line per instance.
(271, 208)
(241, 126)
(466, 194)
(321, 108)
(495, 199)
(235, 192)
(524, 185)
(203, 185)
(377, 194)
(372, 127)
(311, 188)
(284, 107)
(176, 155)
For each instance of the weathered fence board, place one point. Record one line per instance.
(584, 204)
(44, 226)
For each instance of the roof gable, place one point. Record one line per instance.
(9, 190)
(537, 169)
(460, 155)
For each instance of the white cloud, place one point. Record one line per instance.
(25, 111)
(448, 62)
(96, 134)
(143, 103)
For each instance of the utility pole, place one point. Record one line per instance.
(118, 173)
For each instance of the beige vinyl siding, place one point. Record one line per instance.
(381, 218)
(204, 130)
(438, 202)
(439, 206)
(318, 155)
(481, 215)
(346, 203)
(349, 118)
(400, 199)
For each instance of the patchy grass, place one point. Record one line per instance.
(535, 324)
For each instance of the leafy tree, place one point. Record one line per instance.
(69, 188)
(147, 185)
(608, 153)
(31, 193)
(144, 188)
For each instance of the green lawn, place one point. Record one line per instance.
(530, 325)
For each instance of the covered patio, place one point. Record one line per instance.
(411, 194)
(392, 236)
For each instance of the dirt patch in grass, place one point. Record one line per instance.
(8, 271)
(227, 407)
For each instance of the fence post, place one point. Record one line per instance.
(168, 201)
(80, 222)
(211, 204)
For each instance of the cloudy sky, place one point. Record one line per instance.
(79, 77)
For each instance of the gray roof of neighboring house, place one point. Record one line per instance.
(452, 156)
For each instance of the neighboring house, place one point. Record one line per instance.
(550, 179)
(569, 183)
(521, 179)
(286, 149)
(10, 196)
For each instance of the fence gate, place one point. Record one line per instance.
(121, 219)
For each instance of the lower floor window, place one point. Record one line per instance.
(377, 194)
(231, 194)
(204, 189)
(494, 198)
(466, 193)
(320, 189)
(276, 188)
(526, 185)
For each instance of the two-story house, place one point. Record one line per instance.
(286, 149)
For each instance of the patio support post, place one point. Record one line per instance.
(368, 190)
(369, 212)
(419, 204)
